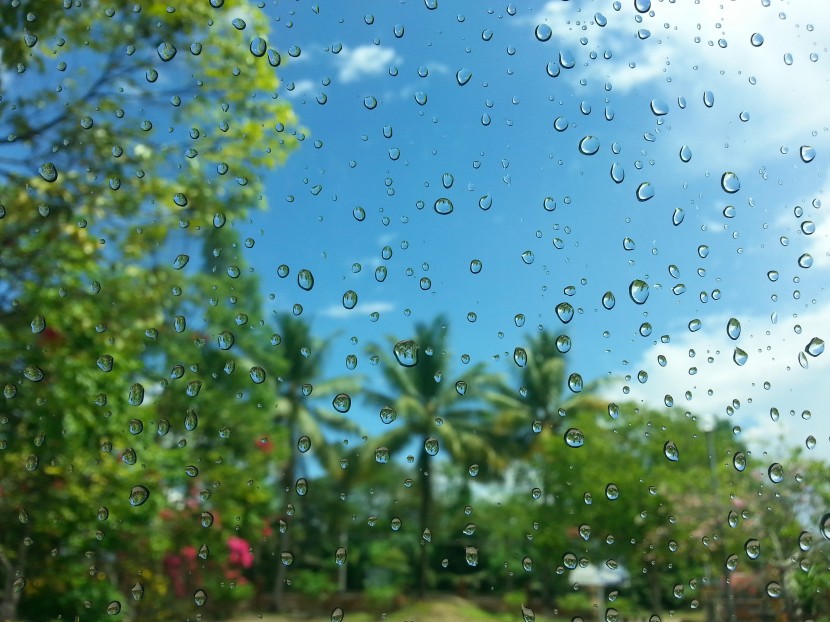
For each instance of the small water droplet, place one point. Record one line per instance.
(200, 596)
(671, 452)
(575, 382)
(708, 99)
(565, 312)
(520, 356)
(48, 172)
(774, 589)
(685, 153)
(757, 39)
(382, 455)
(114, 608)
(406, 353)
(612, 492)
(471, 556)
(752, 548)
(528, 257)
(776, 473)
(136, 394)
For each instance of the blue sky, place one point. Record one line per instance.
(496, 137)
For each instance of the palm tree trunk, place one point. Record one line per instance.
(284, 541)
(424, 520)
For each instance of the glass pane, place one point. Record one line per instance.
(441, 311)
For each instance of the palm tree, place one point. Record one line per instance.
(435, 412)
(299, 372)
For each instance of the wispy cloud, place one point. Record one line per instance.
(364, 61)
(362, 309)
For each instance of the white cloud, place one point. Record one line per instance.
(364, 61)
(361, 310)
(301, 87)
(771, 378)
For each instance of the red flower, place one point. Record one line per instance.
(240, 552)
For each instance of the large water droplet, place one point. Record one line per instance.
(520, 356)
(671, 452)
(138, 495)
(730, 183)
(608, 300)
(431, 446)
(733, 328)
(757, 39)
(752, 548)
(807, 153)
(136, 394)
(342, 402)
(638, 290)
(565, 312)
(527, 614)
(305, 279)
(739, 461)
(776, 473)
(471, 556)
(443, 206)
(575, 382)
(406, 353)
(543, 32)
(739, 356)
(659, 107)
(708, 99)
(645, 191)
(574, 438)
(200, 597)
(589, 145)
(463, 76)
(815, 347)
(48, 172)
(617, 172)
(166, 51)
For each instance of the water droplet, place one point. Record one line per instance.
(342, 403)
(642, 6)
(685, 153)
(136, 394)
(543, 32)
(776, 473)
(114, 608)
(350, 299)
(671, 452)
(733, 328)
(443, 206)
(739, 356)
(752, 548)
(463, 76)
(473, 470)
(774, 589)
(461, 387)
(257, 374)
(612, 492)
(730, 183)
(48, 172)
(219, 220)
(225, 340)
(527, 614)
(739, 461)
(806, 260)
(645, 191)
(617, 172)
(708, 99)
(421, 98)
(589, 145)
(563, 343)
(528, 257)
(575, 382)
(305, 279)
(807, 154)
(815, 347)
(574, 438)
(608, 300)
(431, 445)
(382, 455)
(337, 615)
(677, 216)
(659, 107)
(200, 596)
(471, 556)
(180, 261)
(167, 51)
(138, 495)
(301, 486)
(638, 290)
(565, 312)
(520, 356)
(757, 39)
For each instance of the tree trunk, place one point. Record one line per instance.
(424, 520)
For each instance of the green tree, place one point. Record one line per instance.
(111, 321)
(300, 374)
(444, 417)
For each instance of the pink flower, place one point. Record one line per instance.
(240, 552)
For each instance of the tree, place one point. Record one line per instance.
(299, 375)
(111, 229)
(446, 417)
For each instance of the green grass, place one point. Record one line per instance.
(440, 609)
